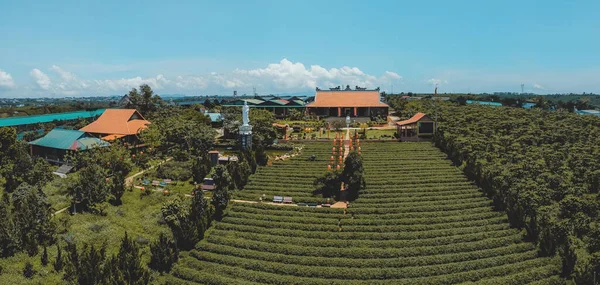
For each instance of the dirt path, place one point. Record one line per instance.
(347, 144)
(128, 181)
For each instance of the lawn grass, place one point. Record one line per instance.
(377, 133)
(56, 190)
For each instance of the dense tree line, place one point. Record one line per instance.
(541, 168)
(91, 265)
(26, 214)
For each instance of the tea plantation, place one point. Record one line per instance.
(419, 221)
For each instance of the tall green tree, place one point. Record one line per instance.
(260, 155)
(130, 263)
(201, 167)
(222, 191)
(353, 175)
(177, 215)
(144, 100)
(90, 188)
(32, 218)
(8, 236)
(164, 254)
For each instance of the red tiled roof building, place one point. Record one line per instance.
(336, 102)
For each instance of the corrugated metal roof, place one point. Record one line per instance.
(47, 118)
(495, 104)
(68, 139)
(215, 117)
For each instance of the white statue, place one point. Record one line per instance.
(245, 111)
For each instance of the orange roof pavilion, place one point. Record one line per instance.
(117, 123)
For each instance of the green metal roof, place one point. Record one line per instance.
(68, 139)
(47, 118)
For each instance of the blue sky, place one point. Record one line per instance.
(84, 48)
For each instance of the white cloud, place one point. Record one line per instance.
(393, 75)
(436, 81)
(6, 80)
(42, 80)
(287, 75)
(537, 86)
(284, 76)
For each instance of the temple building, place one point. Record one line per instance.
(336, 102)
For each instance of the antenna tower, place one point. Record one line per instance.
(522, 88)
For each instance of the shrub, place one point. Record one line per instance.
(28, 271)
(175, 170)
(164, 254)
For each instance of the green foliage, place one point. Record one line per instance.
(338, 125)
(144, 100)
(260, 155)
(32, 218)
(177, 129)
(247, 156)
(91, 266)
(58, 262)
(200, 168)
(164, 254)
(44, 257)
(16, 166)
(539, 167)
(8, 233)
(295, 115)
(129, 263)
(329, 184)
(262, 121)
(353, 175)
(239, 172)
(221, 194)
(90, 188)
(28, 271)
(187, 220)
(175, 170)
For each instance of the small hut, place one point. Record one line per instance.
(419, 127)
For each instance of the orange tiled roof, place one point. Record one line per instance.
(412, 120)
(347, 99)
(117, 122)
